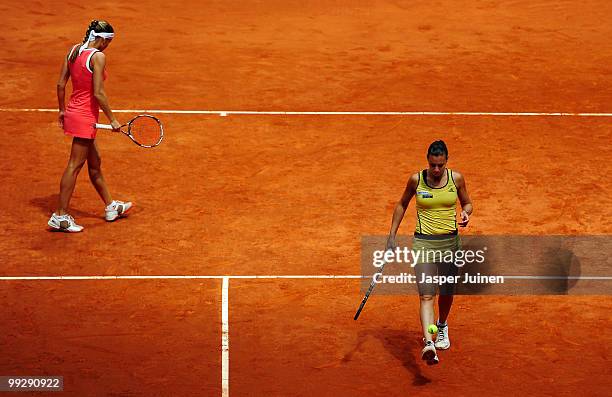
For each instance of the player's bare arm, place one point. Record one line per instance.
(464, 199)
(400, 209)
(61, 90)
(98, 61)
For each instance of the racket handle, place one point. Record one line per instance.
(103, 126)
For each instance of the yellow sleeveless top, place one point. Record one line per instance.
(436, 206)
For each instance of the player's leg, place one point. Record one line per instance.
(114, 208)
(94, 167)
(427, 293)
(444, 306)
(426, 308)
(78, 156)
(60, 220)
(447, 291)
(445, 299)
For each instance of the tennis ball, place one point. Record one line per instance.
(432, 329)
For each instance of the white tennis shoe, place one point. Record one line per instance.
(64, 223)
(429, 353)
(117, 209)
(442, 339)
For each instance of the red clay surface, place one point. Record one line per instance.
(115, 338)
(308, 344)
(294, 195)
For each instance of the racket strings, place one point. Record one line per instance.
(146, 131)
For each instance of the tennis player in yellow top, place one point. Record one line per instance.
(437, 189)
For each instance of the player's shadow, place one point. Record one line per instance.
(48, 204)
(403, 345)
(562, 263)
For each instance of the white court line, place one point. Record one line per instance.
(559, 277)
(170, 277)
(292, 277)
(357, 113)
(225, 337)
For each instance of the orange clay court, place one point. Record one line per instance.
(291, 195)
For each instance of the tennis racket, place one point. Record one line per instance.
(367, 295)
(144, 130)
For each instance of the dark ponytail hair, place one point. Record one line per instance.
(437, 148)
(96, 26)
